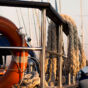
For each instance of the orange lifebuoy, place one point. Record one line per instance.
(11, 77)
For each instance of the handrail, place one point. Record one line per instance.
(50, 11)
(21, 48)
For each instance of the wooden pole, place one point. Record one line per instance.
(60, 57)
(42, 61)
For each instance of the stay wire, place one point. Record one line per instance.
(23, 21)
(18, 18)
(29, 24)
(39, 26)
(35, 27)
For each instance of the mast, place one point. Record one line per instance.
(56, 7)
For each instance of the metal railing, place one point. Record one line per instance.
(21, 48)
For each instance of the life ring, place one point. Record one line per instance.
(11, 77)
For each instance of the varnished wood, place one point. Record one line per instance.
(60, 57)
(42, 61)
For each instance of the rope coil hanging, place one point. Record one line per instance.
(76, 59)
(75, 48)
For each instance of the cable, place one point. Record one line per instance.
(60, 6)
(0, 11)
(35, 27)
(18, 18)
(47, 18)
(23, 21)
(29, 23)
(38, 22)
(81, 16)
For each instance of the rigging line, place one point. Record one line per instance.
(60, 6)
(35, 27)
(56, 7)
(37, 19)
(29, 23)
(23, 21)
(0, 11)
(38, 22)
(18, 18)
(47, 18)
(81, 16)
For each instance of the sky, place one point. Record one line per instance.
(29, 20)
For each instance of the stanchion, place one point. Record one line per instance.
(42, 61)
(60, 41)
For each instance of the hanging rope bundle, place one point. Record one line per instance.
(75, 48)
(52, 61)
(72, 62)
(51, 43)
(82, 56)
(76, 57)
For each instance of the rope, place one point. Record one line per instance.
(60, 6)
(51, 49)
(81, 17)
(35, 27)
(38, 22)
(18, 18)
(23, 37)
(47, 18)
(75, 50)
(0, 11)
(23, 21)
(29, 25)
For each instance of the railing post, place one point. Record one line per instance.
(42, 61)
(60, 41)
(23, 44)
